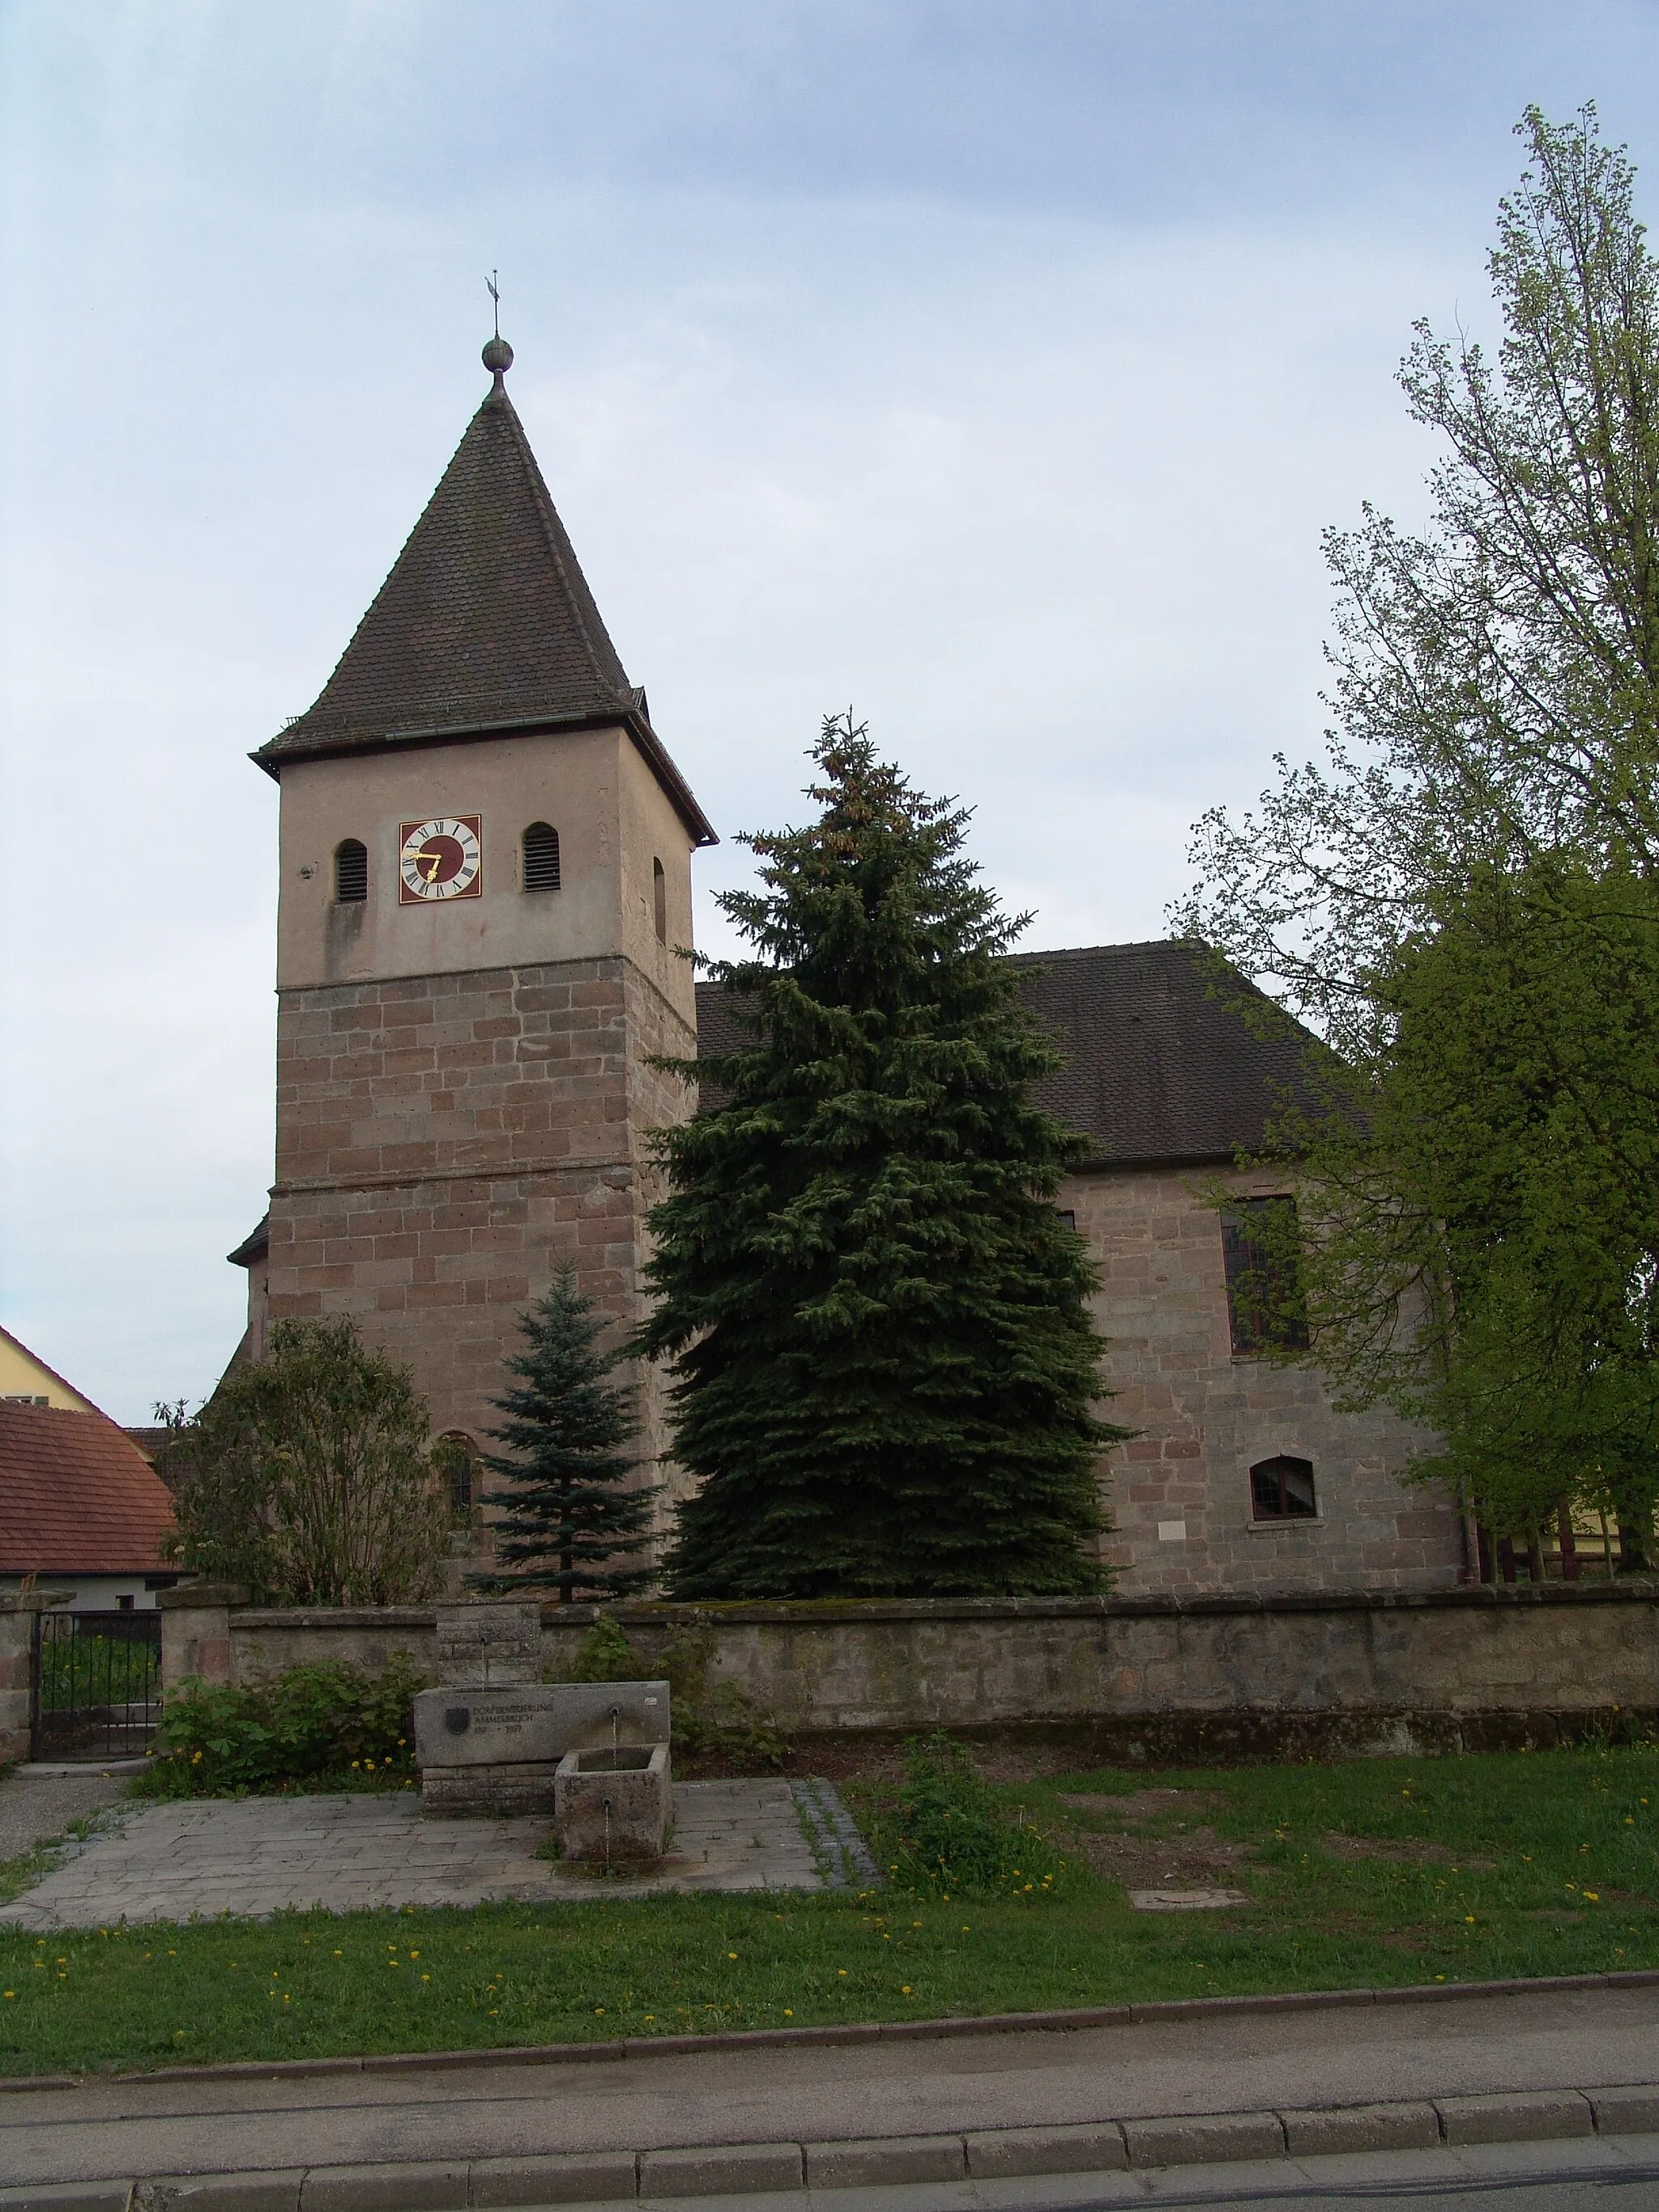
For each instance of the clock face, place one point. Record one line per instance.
(441, 859)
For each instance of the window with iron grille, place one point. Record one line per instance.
(1264, 1295)
(541, 857)
(351, 872)
(1282, 1489)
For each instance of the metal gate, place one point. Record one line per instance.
(97, 1684)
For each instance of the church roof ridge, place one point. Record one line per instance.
(484, 625)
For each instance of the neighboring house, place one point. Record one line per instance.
(484, 884)
(25, 1380)
(81, 1507)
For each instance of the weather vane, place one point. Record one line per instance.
(495, 294)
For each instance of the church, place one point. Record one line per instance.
(486, 852)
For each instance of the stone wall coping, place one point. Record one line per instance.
(186, 1597)
(335, 1616)
(807, 1613)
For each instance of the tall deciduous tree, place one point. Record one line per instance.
(884, 1359)
(1463, 898)
(573, 1522)
(309, 1476)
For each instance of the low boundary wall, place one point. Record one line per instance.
(1156, 1678)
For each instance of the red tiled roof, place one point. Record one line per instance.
(76, 1496)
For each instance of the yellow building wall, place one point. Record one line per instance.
(22, 1375)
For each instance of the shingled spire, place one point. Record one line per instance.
(485, 624)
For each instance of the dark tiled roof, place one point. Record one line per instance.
(152, 1441)
(1159, 1065)
(486, 618)
(255, 1246)
(485, 624)
(76, 1496)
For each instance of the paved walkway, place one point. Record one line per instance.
(1248, 2064)
(258, 1855)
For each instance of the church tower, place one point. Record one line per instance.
(485, 856)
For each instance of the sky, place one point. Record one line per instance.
(991, 366)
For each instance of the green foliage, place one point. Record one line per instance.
(572, 1524)
(724, 1719)
(884, 1359)
(1461, 899)
(308, 1476)
(949, 1835)
(605, 1655)
(95, 1670)
(329, 1723)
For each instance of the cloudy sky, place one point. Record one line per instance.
(992, 365)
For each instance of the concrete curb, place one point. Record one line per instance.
(892, 2031)
(1164, 2142)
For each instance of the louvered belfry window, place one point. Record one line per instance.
(541, 857)
(351, 872)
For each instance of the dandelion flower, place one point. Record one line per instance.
(731, 1954)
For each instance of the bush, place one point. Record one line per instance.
(947, 1832)
(725, 1720)
(311, 1476)
(331, 1723)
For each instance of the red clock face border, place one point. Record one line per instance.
(439, 858)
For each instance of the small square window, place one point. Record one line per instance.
(1067, 1219)
(1282, 1489)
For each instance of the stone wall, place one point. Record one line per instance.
(1155, 1677)
(444, 1142)
(1179, 1493)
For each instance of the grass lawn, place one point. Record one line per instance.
(1376, 1871)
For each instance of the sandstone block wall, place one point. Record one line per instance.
(445, 1142)
(1359, 1672)
(1179, 1492)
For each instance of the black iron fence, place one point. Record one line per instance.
(97, 1688)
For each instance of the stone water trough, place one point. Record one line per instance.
(493, 1740)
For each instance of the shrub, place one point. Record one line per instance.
(309, 1475)
(725, 1720)
(329, 1723)
(948, 1833)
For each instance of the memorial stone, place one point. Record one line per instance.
(494, 1748)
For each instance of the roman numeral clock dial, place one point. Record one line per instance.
(443, 859)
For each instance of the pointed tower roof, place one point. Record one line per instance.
(485, 626)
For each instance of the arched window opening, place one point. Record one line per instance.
(541, 857)
(459, 1466)
(659, 894)
(351, 872)
(1282, 1489)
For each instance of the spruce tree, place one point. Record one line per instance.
(571, 1525)
(883, 1361)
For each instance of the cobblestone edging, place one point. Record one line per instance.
(992, 2154)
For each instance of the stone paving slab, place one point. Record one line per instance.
(257, 1855)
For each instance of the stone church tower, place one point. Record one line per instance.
(485, 855)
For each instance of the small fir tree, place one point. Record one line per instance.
(572, 1524)
(884, 1359)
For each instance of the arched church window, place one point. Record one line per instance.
(541, 857)
(350, 872)
(1282, 1489)
(660, 895)
(458, 1460)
